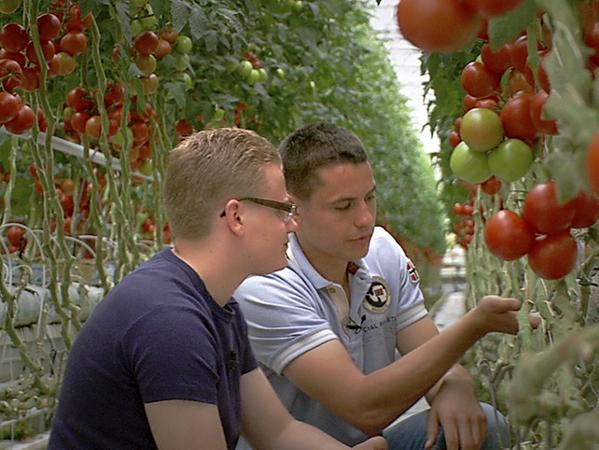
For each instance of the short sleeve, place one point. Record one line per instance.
(282, 315)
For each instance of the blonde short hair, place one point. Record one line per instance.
(208, 168)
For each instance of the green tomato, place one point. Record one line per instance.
(280, 73)
(262, 75)
(68, 113)
(469, 165)
(183, 44)
(146, 64)
(146, 168)
(187, 81)
(511, 160)
(135, 6)
(136, 27)
(245, 68)
(481, 129)
(9, 6)
(219, 114)
(182, 62)
(149, 23)
(253, 77)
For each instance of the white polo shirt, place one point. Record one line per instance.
(294, 310)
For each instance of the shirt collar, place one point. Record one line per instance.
(295, 254)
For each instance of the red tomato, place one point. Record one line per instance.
(543, 211)
(453, 139)
(591, 39)
(141, 131)
(518, 82)
(11, 74)
(9, 106)
(74, 43)
(62, 64)
(115, 95)
(13, 37)
(437, 25)
(492, 8)
(48, 26)
(458, 209)
(478, 81)
(146, 43)
(22, 122)
(164, 48)
(592, 163)
(537, 103)
(587, 210)
(78, 121)
(553, 257)
(515, 117)
(93, 127)
(14, 235)
(497, 61)
(80, 99)
(169, 34)
(75, 23)
(518, 50)
(48, 51)
(492, 186)
(16, 56)
(508, 236)
(31, 79)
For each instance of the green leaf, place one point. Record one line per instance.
(211, 40)
(564, 169)
(157, 6)
(197, 22)
(177, 90)
(504, 28)
(21, 193)
(180, 13)
(122, 15)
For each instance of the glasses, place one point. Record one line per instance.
(285, 210)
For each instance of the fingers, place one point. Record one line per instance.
(432, 431)
(503, 304)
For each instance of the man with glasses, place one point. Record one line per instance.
(164, 360)
(326, 328)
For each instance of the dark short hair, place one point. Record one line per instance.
(314, 146)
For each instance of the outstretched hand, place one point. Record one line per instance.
(495, 313)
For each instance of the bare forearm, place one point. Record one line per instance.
(387, 392)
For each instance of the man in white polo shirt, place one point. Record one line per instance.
(326, 328)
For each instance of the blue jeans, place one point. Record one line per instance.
(410, 434)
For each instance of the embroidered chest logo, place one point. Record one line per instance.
(377, 299)
(412, 272)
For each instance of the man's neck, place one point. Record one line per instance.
(218, 273)
(331, 268)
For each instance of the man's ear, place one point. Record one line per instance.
(234, 216)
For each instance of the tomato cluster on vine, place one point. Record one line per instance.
(542, 231)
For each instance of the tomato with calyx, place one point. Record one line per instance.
(75, 22)
(587, 210)
(13, 37)
(22, 122)
(508, 236)
(553, 257)
(437, 25)
(469, 165)
(497, 61)
(481, 129)
(11, 74)
(74, 43)
(544, 212)
(80, 99)
(146, 43)
(478, 81)
(511, 160)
